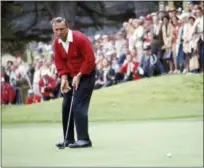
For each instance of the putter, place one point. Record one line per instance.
(69, 116)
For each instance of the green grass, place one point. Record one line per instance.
(167, 97)
(130, 126)
(143, 143)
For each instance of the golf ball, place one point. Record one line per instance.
(169, 155)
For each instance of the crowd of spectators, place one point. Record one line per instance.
(165, 42)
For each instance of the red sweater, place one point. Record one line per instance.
(123, 70)
(47, 87)
(33, 99)
(8, 94)
(80, 56)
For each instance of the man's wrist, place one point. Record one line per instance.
(79, 74)
(64, 77)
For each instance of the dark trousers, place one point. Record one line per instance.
(201, 54)
(79, 114)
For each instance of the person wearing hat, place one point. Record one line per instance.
(187, 41)
(167, 33)
(32, 98)
(138, 38)
(75, 64)
(172, 13)
(149, 63)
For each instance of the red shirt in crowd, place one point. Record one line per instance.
(80, 56)
(176, 31)
(47, 85)
(33, 99)
(8, 94)
(124, 69)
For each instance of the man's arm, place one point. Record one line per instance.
(60, 63)
(87, 52)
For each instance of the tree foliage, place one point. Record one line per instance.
(24, 21)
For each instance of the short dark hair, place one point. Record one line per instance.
(199, 8)
(165, 16)
(59, 20)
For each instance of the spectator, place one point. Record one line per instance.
(198, 30)
(14, 82)
(167, 33)
(99, 76)
(120, 42)
(37, 75)
(7, 93)
(187, 41)
(32, 98)
(179, 49)
(47, 86)
(130, 34)
(138, 37)
(176, 26)
(150, 63)
(156, 38)
(115, 66)
(107, 44)
(108, 73)
(172, 13)
(122, 58)
(128, 69)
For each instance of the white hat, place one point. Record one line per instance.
(37, 57)
(104, 36)
(109, 52)
(191, 16)
(179, 9)
(45, 72)
(30, 91)
(153, 14)
(142, 18)
(97, 37)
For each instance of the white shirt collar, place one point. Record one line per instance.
(69, 39)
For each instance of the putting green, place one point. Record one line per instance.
(141, 143)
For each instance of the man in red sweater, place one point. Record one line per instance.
(32, 98)
(75, 63)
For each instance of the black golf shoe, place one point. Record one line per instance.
(81, 144)
(64, 144)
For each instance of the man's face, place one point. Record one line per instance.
(60, 30)
(174, 20)
(147, 52)
(165, 21)
(198, 12)
(191, 21)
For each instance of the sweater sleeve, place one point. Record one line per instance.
(88, 55)
(60, 63)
